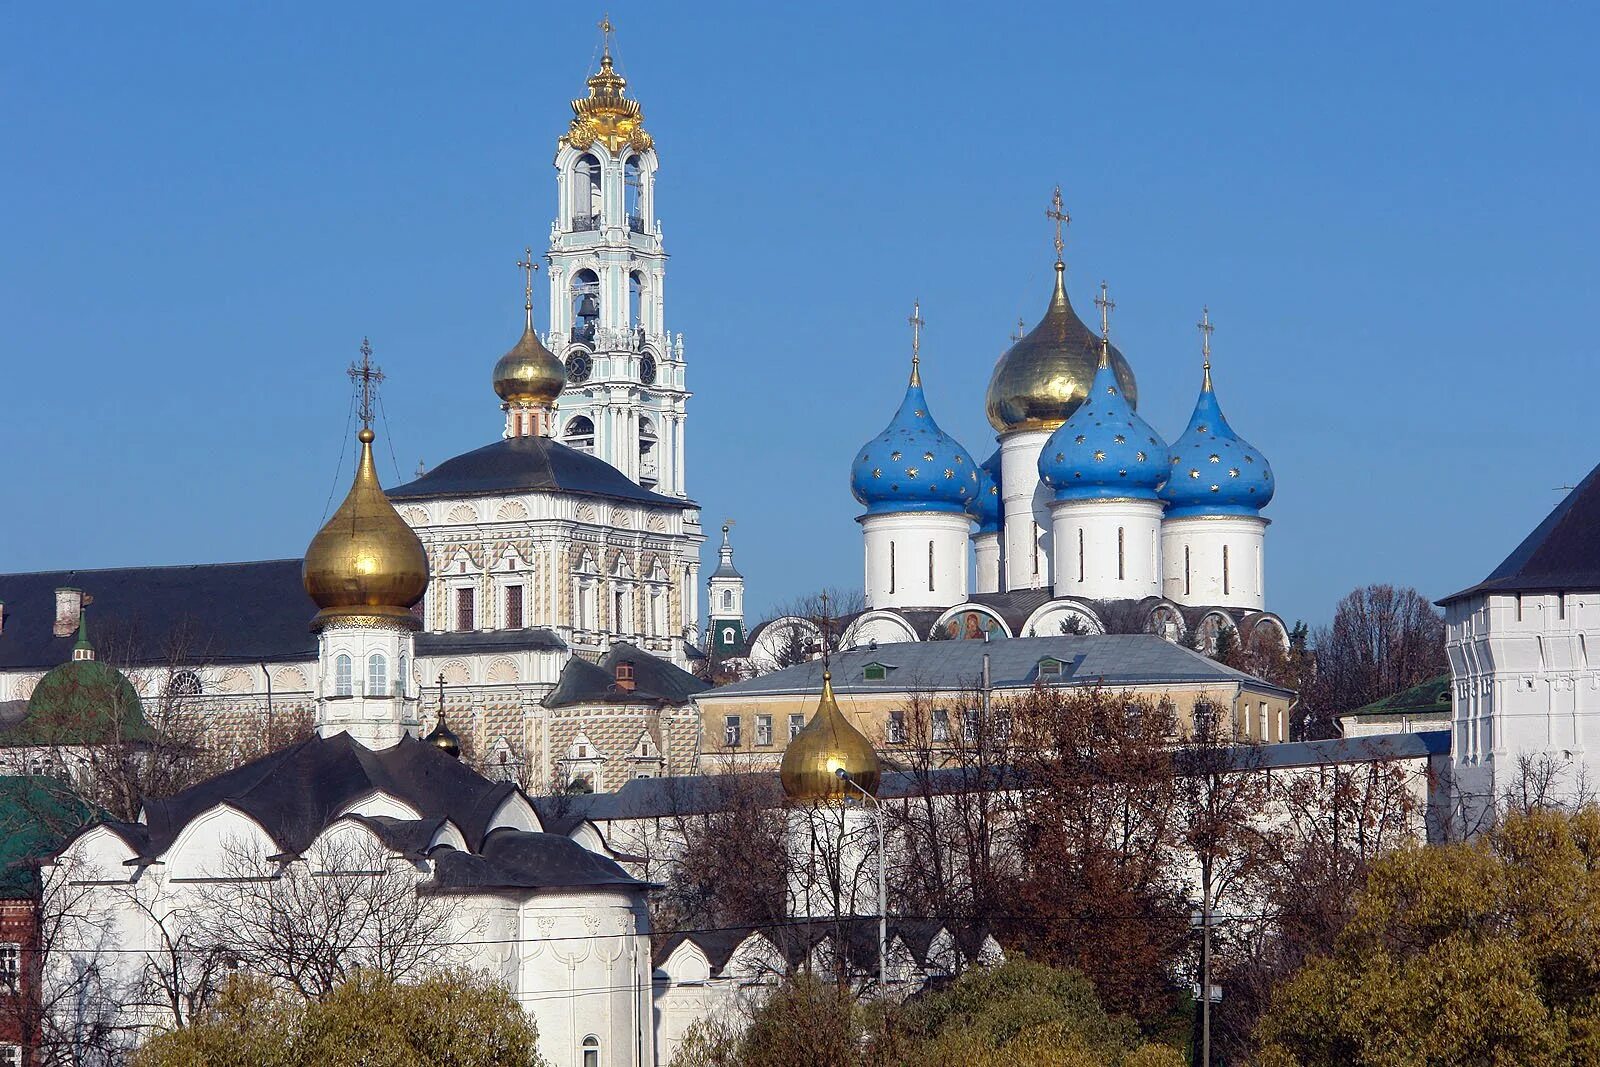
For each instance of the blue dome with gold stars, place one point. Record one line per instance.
(913, 465)
(1105, 449)
(985, 505)
(1214, 471)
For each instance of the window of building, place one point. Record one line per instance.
(731, 730)
(941, 725)
(1225, 570)
(1049, 668)
(874, 672)
(620, 623)
(465, 616)
(897, 727)
(10, 965)
(1263, 724)
(10, 1056)
(343, 684)
(727, 600)
(591, 1051)
(184, 684)
(1121, 542)
(1185, 570)
(1205, 718)
(402, 680)
(763, 729)
(797, 722)
(970, 718)
(1080, 554)
(891, 567)
(377, 675)
(579, 433)
(514, 607)
(625, 675)
(930, 566)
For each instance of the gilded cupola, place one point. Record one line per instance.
(1042, 378)
(365, 563)
(529, 378)
(827, 745)
(605, 115)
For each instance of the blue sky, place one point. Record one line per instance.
(1388, 207)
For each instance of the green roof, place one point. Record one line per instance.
(1429, 698)
(80, 702)
(37, 814)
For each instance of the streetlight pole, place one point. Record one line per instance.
(883, 884)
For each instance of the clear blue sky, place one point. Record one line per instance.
(1389, 208)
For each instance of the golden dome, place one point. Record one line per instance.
(827, 745)
(605, 115)
(366, 562)
(529, 374)
(444, 739)
(1040, 381)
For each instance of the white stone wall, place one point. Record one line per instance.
(986, 563)
(916, 558)
(1214, 560)
(377, 716)
(1025, 502)
(1107, 549)
(1525, 690)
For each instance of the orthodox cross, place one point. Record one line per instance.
(1058, 214)
(528, 266)
(917, 323)
(366, 377)
(827, 627)
(1205, 328)
(441, 698)
(1105, 304)
(1019, 334)
(607, 28)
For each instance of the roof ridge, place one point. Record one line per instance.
(149, 567)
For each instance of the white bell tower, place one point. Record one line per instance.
(625, 395)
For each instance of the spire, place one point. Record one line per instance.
(725, 567)
(916, 340)
(1105, 304)
(1205, 327)
(82, 649)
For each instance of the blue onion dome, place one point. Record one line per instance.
(1105, 449)
(1214, 471)
(985, 506)
(913, 465)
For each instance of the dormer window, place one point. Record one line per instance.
(1050, 668)
(875, 672)
(625, 676)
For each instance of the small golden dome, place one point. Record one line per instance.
(366, 562)
(827, 745)
(529, 374)
(444, 739)
(1040, 381)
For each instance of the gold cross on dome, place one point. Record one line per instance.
(366, 376)
(1205, 328)
(1019, 334)
(528, 266)
(1059, 214)
(917, 323)
(607, 28)
(1105, 304)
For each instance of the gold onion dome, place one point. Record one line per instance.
(605, 115)
(444, 739)
(827, 745)
(365, 563)
(529, 374)
(1041, 379)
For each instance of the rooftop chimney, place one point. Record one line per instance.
(69, 605)
(625, 676)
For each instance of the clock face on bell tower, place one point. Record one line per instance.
(578, 367)
(647, 369)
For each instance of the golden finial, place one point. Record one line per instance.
(917, 324)
(1105, 304)
(1020, 331)
(1205, 327)
(366, 377)
(528, 266)
(1058, 214)
(607, 28)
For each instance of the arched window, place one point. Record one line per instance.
(343, 686)
(591, 1051)
(647, 453)
(377, 675)
(579, 434)
(633, 194)
(587, 203)
(402, 680)
(184, 684)
(585, 305)
(727, 600)
(635, 300)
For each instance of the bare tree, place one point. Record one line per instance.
(801, 628)
(1382, 640)
(311, 922)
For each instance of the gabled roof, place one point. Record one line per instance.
(297, 792)
(529, 464)
(1098, 659)
(517, 859)
(36, 815)
(655, 680)
(1561, 555)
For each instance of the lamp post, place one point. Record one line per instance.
(883, 890)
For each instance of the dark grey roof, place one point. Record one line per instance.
(1561, 555)
(206, 613)
(655, 680)
(1014, 606)
(517, 859)
(529, 464)
(795, 939)
(536, 638)
(296, 792)
(1100, 659)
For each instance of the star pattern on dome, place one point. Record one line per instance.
(1209, 439)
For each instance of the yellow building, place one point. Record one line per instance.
(911, 694)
